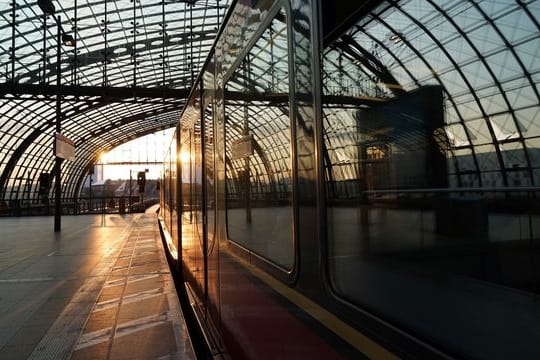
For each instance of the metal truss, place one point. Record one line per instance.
(128, 75)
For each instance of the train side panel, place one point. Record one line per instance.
(317, 213)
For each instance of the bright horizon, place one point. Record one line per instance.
(143, 152)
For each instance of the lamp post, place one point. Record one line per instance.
(58, 160)
(130, 193)
(61, 38)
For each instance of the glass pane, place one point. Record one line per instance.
(259, 164)
(190, 158)
(428, 188)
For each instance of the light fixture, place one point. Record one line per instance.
(46, 6)
(397, 38)
(68, 40)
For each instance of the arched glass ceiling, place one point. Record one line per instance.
(486, 57)
(118, 43)
(122, 44)
(484, 54)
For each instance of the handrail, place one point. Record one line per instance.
(76, 206)
(455, 190)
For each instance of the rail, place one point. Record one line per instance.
(77, 206)
(456, 190)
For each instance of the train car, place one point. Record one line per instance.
(326, 196)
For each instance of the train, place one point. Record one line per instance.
(316, 204)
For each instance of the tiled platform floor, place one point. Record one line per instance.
(99, 290)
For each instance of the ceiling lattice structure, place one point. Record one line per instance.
(484, 55)
(134, 64)
(128, 74)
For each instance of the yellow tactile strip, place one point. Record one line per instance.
(137, 315)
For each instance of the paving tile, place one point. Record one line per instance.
(111, 293)
(94, 352)
(151, 343)
(101, 320)
(144, 259)
(153, 282)
(147, 307)
(123, 262)
(118, 272)
(154, 267)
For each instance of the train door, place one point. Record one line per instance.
(199, 248)
(260, 161)
(210, 210)
(193, 212)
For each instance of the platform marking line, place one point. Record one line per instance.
(93, 338)
(116, 268)
(141, 277)
(104, 305)
(124, 329)
(145, 262)
(147, 253)
(144, 246)
(146, 238)
(119, 269)
(149, 240)
(129, 299)
(150, 291)
(114, 283)
(131, 279)
(140, 324)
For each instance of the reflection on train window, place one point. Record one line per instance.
(426, 184)
(191, 165)
(168, 190)
(209, 167)
(258, 132)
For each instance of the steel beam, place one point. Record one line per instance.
(104, 92)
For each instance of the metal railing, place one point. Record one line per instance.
(77, 206)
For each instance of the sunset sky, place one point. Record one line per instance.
(141, 152)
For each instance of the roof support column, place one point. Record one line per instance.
(58, 161)
(13, 25)
(106, 49)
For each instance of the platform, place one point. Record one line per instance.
(101, 289)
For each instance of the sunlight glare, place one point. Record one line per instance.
(184, 157)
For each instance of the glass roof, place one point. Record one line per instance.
(484, 55)
(121, 44)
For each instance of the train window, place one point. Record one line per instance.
(192, 221)
(432, 220)
(171, 164)
(209, 166)
(259, 163)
